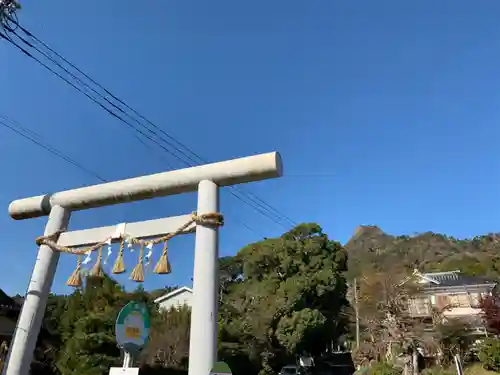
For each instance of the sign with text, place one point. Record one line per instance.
(132, 327)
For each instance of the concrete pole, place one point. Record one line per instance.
(356, 308)
(415, 361)
(204, 314)
(127, 359)
(29, 323)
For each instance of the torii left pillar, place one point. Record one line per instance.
(206, 179)
(36, 297)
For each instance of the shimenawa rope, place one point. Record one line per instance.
(162, 267)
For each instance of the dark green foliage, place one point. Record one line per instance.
(288, 296)
(300, 328)
(439, 370)
(383, 368)
(160, 370)
(87, 330)
(230, 272)
(453, 338)
(489, 354)
(50, 337)
(89, 345)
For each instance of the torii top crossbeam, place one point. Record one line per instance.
(230, 172)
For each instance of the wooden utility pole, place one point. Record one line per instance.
(356, 308)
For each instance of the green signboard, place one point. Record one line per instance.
(132, 327)
(221, 368)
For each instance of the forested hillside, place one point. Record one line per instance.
(279, 296)
(370, 249)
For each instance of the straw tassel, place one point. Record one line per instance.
(163, 265)
(97, 269)
(119, 266)
(138, 271)
(75, 280)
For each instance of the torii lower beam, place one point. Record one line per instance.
(141, 229)
(206, 178)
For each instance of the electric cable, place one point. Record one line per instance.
(38, 140)
(264, 208)
(201, 159)
(253, 201)
(32, 137)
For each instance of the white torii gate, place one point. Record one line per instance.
(205, 178)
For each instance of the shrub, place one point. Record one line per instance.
(489, 354)
(438, 370)
(384, 368)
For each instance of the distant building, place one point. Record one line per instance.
(9, 312)
(176, 299)
(451, 293)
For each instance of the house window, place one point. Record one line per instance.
(475, 299)
(460, 300)
(420, 306)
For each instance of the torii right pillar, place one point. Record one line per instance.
(205, 306)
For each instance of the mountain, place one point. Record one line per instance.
(370, 248)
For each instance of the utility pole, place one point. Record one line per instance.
(356, 308)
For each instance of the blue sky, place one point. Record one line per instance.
(385, 112)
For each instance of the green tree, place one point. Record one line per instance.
(50, 337)
(467, 264)
(384, 368)
(230, 272)
(90, 347)
(489, 354)
(297, 330)
(453, 337)
(290, 297)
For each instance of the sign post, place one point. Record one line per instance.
(132, 333)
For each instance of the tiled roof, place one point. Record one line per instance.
(454, 278)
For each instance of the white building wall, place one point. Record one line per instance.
(181, 299)
(462, 312)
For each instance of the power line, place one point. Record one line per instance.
(253, 201)
(201, 159)
(181, 148)
(93, 98)
(110, 94)
(38, 140)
